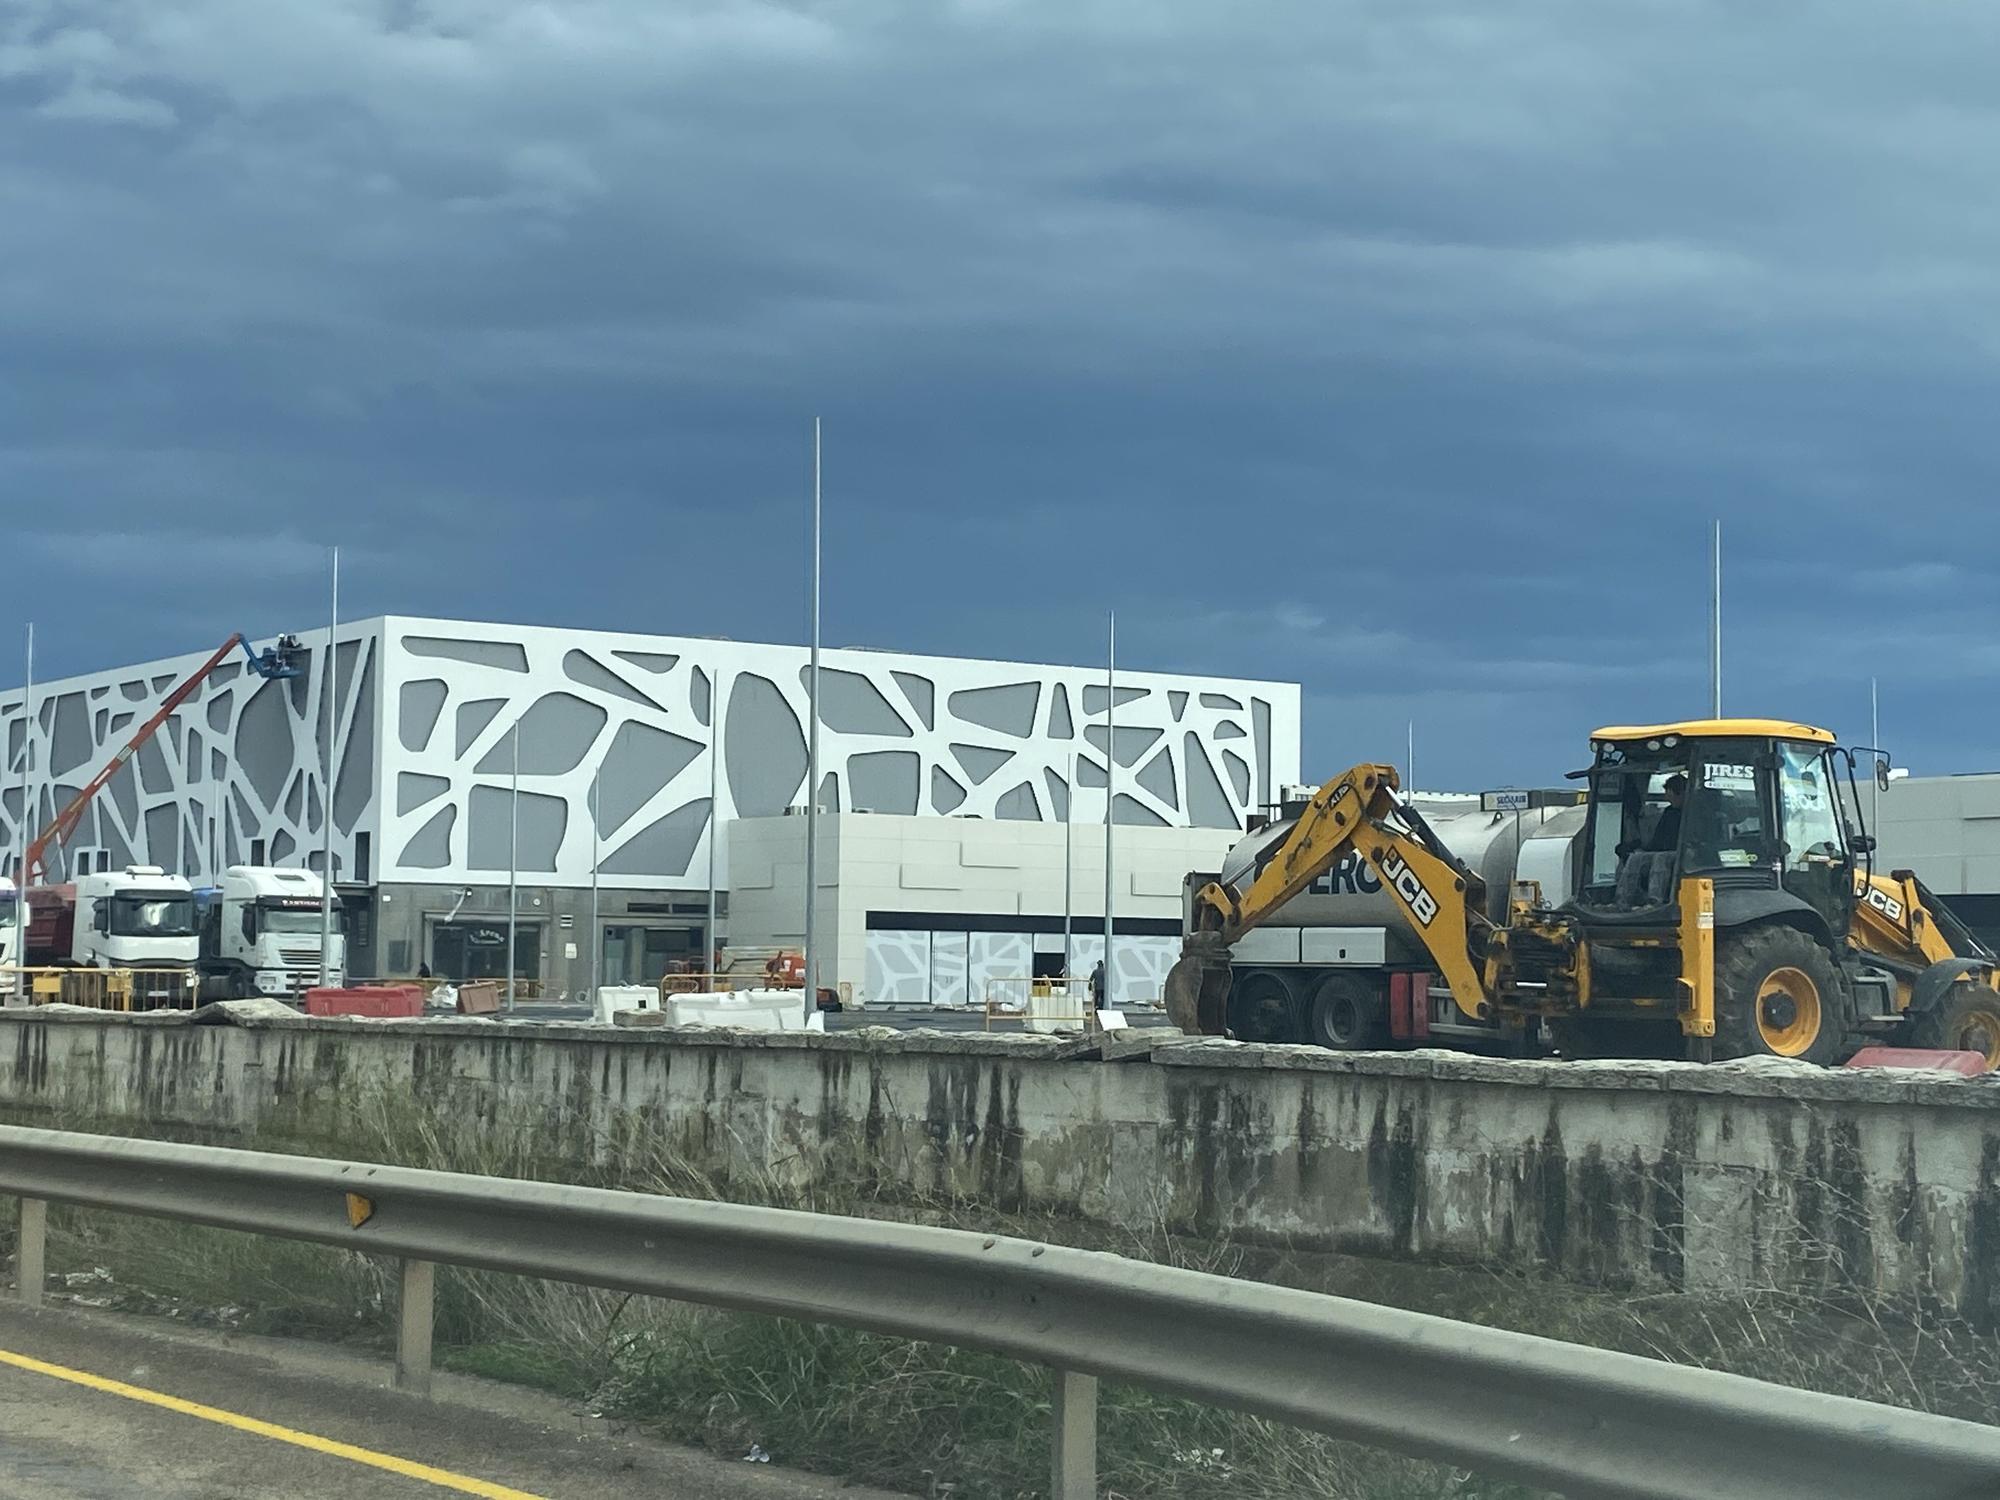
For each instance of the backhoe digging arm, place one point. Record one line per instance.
(1358, 810)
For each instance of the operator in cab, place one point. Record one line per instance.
(1666, 834)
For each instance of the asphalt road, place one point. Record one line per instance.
(279, 1418)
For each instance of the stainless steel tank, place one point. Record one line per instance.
(1489, 844)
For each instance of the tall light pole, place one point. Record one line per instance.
(1069, 860)
(1875, 744)
(1110, 774)
(596, 941)
(513, 859)
(714, 814)
(327, 720)
(21, 824)
(812, 755)
(1715, 626)
(1410, 759)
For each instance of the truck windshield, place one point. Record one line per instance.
(144, 914)
(293, 920)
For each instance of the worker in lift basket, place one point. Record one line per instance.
(1097, 986)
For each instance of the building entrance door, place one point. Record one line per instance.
(640, 955)
(478, 950)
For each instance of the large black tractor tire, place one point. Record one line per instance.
(1966, 1019)
(1777, 994)
(1262, 1008)
(1348, 1014)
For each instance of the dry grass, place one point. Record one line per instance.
(937, 1421)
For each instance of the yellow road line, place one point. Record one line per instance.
(442, 1478)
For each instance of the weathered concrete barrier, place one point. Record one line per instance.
(1651, 1175)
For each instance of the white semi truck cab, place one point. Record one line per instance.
(13, 926)
(136, 918)
(260, 932)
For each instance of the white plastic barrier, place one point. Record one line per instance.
(616, 997)
(756, 1010)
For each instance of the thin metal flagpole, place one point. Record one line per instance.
(513, 860)
(1069, 861)
(1875, 745)
(1715, 630)
(714, 818)
(596, 941)
(21, 824)
(1110, 773)
(327, 721)
(812, 758)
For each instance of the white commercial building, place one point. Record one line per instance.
(1946, 829)
(634, 752)
(954, 911)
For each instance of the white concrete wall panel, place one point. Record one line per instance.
(1946, 828)
(238, 761)
(995, 956)
(900, 734)
(949, 952)
(431, 713)
(898, 968)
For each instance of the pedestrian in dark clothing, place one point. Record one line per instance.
(1097, 986)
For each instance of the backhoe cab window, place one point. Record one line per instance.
(1727, 826)
(1812, 823)
(1706, 806)
(1633, 808)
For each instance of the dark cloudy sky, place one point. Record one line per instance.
(1403, 349)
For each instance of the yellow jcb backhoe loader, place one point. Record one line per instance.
(1726, 906)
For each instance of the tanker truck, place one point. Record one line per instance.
(1339, 964)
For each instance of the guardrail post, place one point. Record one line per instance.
(31, 1252)
(1073, 1466)
(413, 1328)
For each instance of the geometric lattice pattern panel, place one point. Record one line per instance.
(652, 742)
(237, 764)
(631, 750)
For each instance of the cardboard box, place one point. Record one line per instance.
(478, 999)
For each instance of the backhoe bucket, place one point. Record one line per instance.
(1197, 994)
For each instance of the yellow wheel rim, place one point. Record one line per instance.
(1788, 1012)
(1978, 1030)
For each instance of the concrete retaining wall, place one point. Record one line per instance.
(1657, 1176)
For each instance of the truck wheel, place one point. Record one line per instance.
(1777, 995)
(1967, 1019)
(1348, 1014)
(1261, 1008)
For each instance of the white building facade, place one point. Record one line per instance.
(633, 753)
(956, 911)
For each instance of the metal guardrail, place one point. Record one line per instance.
(1592, 1424)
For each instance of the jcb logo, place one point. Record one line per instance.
(1886, 904)
(1422, 904)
